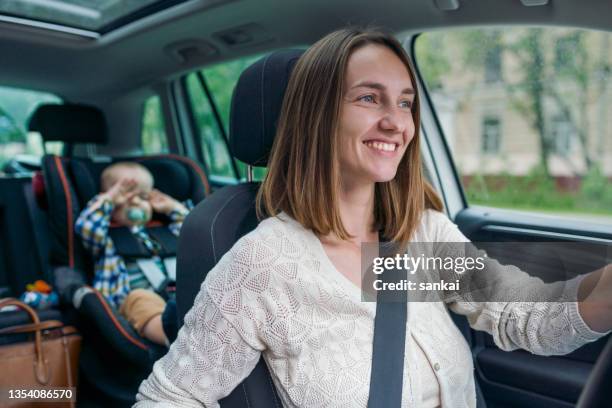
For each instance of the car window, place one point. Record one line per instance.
(525, 113)
(221, 80)
(153, 136)
(16, 106)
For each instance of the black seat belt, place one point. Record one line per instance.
(388, 346)
(389, 342)
(132, 248)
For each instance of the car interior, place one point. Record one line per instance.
(192, 89)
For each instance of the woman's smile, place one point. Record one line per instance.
(381, 148)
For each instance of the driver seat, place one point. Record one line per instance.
(213, 227)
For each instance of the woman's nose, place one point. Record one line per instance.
(393, 120)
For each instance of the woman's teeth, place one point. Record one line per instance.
(387, 147)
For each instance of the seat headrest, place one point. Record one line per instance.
(69, 123)
(70, 182)
(181, 179)
(256, 106)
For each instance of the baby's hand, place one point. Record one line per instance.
(122, 191)
(162, 203)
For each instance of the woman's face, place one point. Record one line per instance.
(376, 121)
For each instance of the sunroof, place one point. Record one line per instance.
(94, 15)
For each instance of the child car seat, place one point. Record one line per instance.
(114, 358)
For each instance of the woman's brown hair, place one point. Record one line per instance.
(303, 174)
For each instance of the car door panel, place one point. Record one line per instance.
(519, 378)
(532, 374)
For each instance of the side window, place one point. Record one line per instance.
(16, 107)
(221, 80)
(526, 114)
(153, 137)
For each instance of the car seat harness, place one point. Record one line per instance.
(160, 243)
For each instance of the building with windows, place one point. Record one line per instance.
(512, 100)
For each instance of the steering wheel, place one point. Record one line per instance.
(597, 392)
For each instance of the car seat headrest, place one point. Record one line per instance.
(69, 123)
(171, 176)
(256, 106)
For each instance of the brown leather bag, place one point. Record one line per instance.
(49, 361)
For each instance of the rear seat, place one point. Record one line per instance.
(22, 253)
(20, 259)
(115, 358)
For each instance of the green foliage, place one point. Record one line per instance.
(538, 191)
(213, 147)
(596, 190)
(433, 61)
(477, 45)
(221, 80)
(571, 58)
(9, 131)
(154, 139)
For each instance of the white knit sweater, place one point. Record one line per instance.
(277, 294)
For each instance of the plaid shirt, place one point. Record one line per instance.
(111, 274)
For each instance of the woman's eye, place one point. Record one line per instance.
(367, 98)
(406, 104)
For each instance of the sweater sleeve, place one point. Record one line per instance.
(544, 328)
(209, 358)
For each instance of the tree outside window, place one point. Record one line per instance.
(493, 65)
(567, 49)
(493, 58)
(153, 137)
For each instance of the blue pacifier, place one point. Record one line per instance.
(137, 215)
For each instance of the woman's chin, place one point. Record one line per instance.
(383, 177)
(372, 176)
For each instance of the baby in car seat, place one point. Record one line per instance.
(128, 199)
